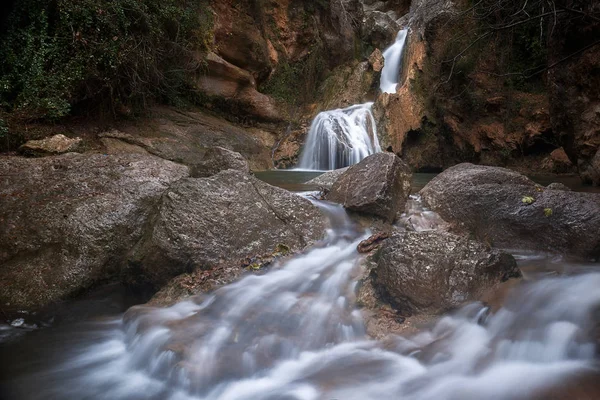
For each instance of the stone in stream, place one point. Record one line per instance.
(379, 185)
(67, 222)
(506, 209)
(435, 271)
(206, 222)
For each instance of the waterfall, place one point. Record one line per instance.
(343, 137)
(339, 138)
(393, 61)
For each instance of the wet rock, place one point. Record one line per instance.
(506, 209)
(436, 271)
(328, 178)
(558, 186)
(57, 144)
(379, 185)
(67, 222)
(205, 222)
(372, 243)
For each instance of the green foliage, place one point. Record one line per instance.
(59, 54)
(548, 212)
(528, 200)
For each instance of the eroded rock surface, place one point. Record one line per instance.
(67, 222)
(379, 185)
(202, 223)
(328, 178)
(506, 209)
(434, 271)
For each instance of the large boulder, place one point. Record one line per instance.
(506, 209)
(67, 222)
(434, 271)
(207, 222)
(379, 185)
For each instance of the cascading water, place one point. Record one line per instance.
(339, 138)
(393, 61)
(294, 334)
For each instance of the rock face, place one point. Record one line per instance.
(590, 172)
(237, 87)
(57, 144)
(432, 272)
(184, 136)
(379, 185)
(328, 179)
(574, 100)
(67, 222)
(507, 209)
(202, 223)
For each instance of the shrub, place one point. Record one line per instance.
(60, 54)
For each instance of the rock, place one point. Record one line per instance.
(557, 162)
(206, 222)
(217, 159)
(435, 271)
(380, 28)
(67, 222)
(372, 243)
(203, 162)
(184, 136)
(328, 178)
(379, 185)
(506, 209)
(575, 102)
(237, 87)
(376, 60)
(57, 144)
(558, 186)
(590, 172)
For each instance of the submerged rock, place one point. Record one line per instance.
(67, 222)
(202, 223)
(57, 144)
(506, 209)
(435, 271)
(379, 185)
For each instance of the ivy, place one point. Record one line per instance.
(61, 54)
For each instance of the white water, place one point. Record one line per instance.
(294, 334)
(393, 62)
(339, 138)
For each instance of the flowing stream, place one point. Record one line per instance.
(294, 333)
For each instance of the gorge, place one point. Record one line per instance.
(299, 200)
